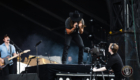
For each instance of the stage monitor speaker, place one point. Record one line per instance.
(29, 76)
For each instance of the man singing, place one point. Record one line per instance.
(7, 49)
(115, 62)
(74, 26)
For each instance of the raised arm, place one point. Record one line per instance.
(69, 31)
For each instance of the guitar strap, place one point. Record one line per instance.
(10, 55)
(10, 50)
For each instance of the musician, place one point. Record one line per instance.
(115, 62)
(7, 49)
(74, 26)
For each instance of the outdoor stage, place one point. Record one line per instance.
(55, 71)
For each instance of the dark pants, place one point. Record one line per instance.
(78, 40)
(7, 70)
(119, 77)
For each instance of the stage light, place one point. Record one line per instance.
(61, 78)
(110, 32)
(94, 79)
(90, 36)
(87, 78)
(120, 30)
(91, 20)
(67, 78)
(112, 79)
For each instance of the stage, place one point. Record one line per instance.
(54, 71)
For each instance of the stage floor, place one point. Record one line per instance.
(50, 71)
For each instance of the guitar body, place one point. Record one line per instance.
(8, 58)
(2, 65)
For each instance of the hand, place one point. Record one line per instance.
(2, 60)
(74, 26)
(80, 25)
(111, 71)
(94, 69)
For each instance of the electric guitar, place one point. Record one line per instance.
(8, 58)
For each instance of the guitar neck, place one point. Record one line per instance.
(14, 56)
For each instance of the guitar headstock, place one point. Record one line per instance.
(25, 51)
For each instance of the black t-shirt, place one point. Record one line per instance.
(115, 62)
(67, 24)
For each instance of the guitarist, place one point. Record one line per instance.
(7, 49)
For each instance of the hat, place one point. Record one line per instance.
(75, 16)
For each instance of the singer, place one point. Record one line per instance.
(74, 26)
(7, 49)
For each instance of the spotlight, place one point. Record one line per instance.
(111, 79)
(67, 78)
(61, 78)
(90, 36)
(91, 20)
(87, 78)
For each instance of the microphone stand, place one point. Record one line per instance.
(37, 61)
(37, 56)
(88, 50)
(26, 68)
(19, 50)
(49, 58)
(91, 69)
(16, 46)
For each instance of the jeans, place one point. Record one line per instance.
(9, 69)
(78, 40)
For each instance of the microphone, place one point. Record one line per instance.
(38, 43)
(8, 40)
(77, 28)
